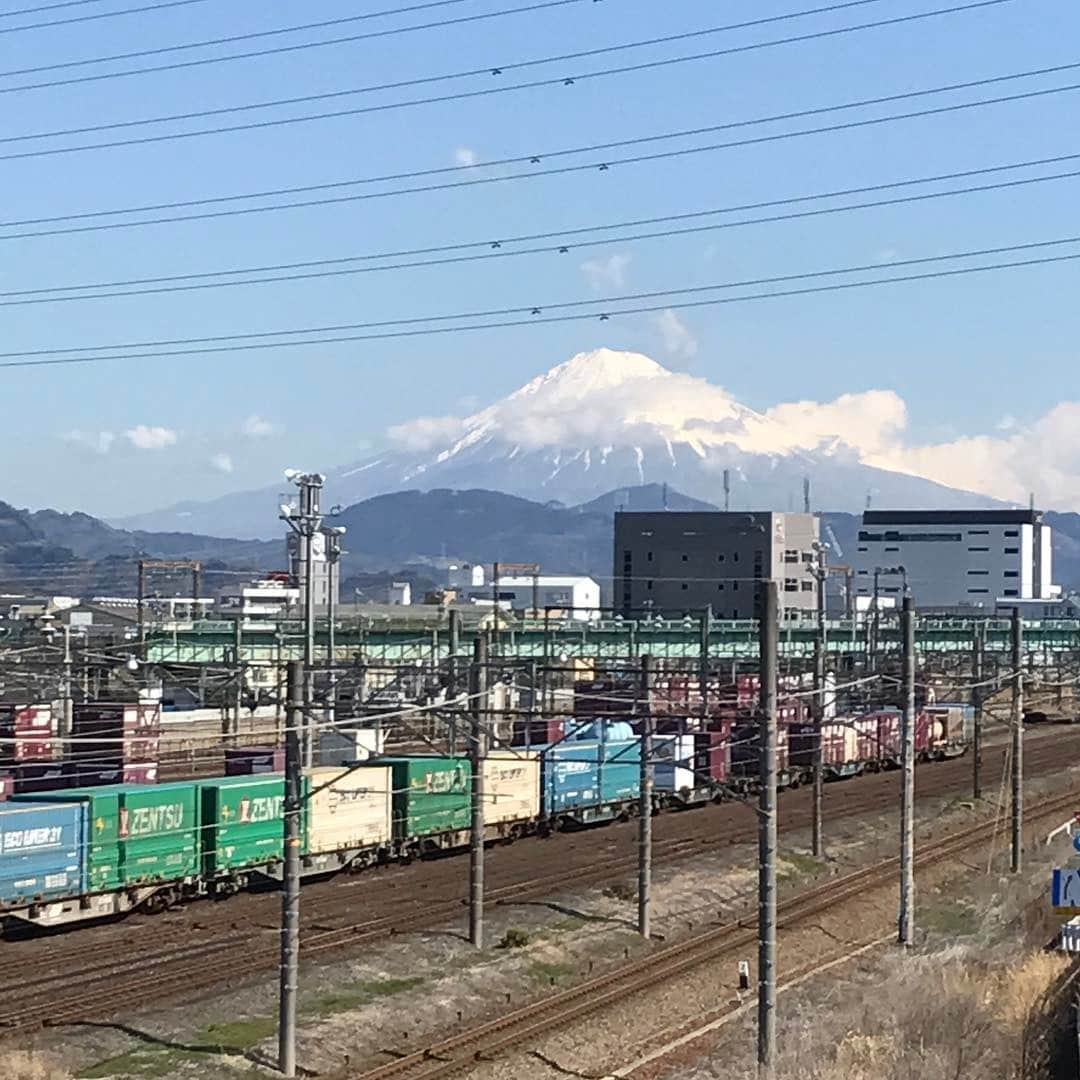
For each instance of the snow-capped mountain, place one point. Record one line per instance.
(606, 419)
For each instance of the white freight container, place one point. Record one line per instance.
(340, 745)
(511, 787)
(349, 808)
(673, 763)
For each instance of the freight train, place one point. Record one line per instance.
(92, 852)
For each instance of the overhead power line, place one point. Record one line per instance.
(608, 307)
(570, 240)
(145, 8)
(298, 28)
(561, 80)
(603, 164)
(326, 24)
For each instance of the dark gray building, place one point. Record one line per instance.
(675, 562)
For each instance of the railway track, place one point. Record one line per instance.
(517, 1028)
(60, 975)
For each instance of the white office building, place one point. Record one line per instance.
(955, 558)
(578, 596)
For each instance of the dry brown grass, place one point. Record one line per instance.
(960, 1014)
(27, 1065)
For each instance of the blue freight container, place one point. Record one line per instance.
(589, 781)
(42, 852)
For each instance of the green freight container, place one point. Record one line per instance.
(243, 821)
(139, 833)
(431, 795)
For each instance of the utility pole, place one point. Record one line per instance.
(768, 645)
(978, 649)
(333, 555)
(818, 843)
(1017, 743)
(66, 723)
(305, 521)
(727, 490)
(232, 713)
(478, 693)
(704, 662)
(645, 774)
(290, 884)
(906, 919)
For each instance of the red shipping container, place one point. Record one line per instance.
(537, 732)
(144, 773)
(35, 747)
(33, 720)
(866, 737)
(712, 754)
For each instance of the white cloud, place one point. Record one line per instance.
(676, 335)
(465, 155)
(609, 273)
(426, 432)
(222, 462)
(98, 441)
(145, 437)
(256, 427)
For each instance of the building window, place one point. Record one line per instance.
(649, 586)
(791, 556)
(1010, 592)
(978, 590)
(863, 549)
(685, 586)
(1012, 532)
(892, 588)
(979, 573)
(1012, 551)
(735, 557)
(862, 573)
(720, 587)
(807, 586)
(978, 549)
(892, 549)
(1011, 573)
(791, 585)
(684, 558)
(734, 586)
(978, 532)
(720, 557)
(649, 557)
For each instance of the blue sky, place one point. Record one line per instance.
(968, 356)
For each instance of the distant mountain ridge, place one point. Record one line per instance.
(409, 533)
(597, 422)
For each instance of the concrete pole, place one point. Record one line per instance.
(478, 695)
(290, 886)
(906, 919)
(645, 778)
(978, 650)
(704, 662)
(66, 722)
(233, 721)
(767, 839)
(1017, 743)
(817, 838)
(308, 525)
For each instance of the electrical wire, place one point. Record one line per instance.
(543, 320)
(327, 23)
(331, 267)
(562, 80)
(145, 8)
(539, 309)
(602, 165)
